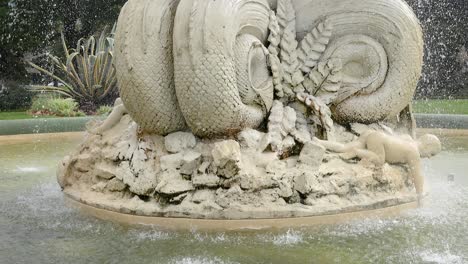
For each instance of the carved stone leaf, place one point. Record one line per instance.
(275, 34)
(313, 45)
(277, 71)
(325, 78)
(289, 61)
(285, 14)
(274, 62)
(320, 110)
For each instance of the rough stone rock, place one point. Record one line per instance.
(250, 138)
(312, 154)
(179, 198)
(261, 160)
(201, 196)
(225, 151)
(190, 162)
(205, 180)
(325, 201)
(224, 198)
(257, 182)
(306, 182)
(294, 198)
(291, 162)
(204, 167)
(99, 187)
(179, 141)
(275, 166)
(171, 161)
(287, 144)
(115, 185)
(142, 184)
(285, 189)
(84, 162)
(172, 183)
(62, 171)
(105, 170)
(266, 141)
(227, 158)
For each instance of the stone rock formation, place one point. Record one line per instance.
(221, 101)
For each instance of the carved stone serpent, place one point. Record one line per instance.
(380, 43)
(214, 77)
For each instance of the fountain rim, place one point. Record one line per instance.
(190, 224)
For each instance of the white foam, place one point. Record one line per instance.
(440, 258)
(200, 260)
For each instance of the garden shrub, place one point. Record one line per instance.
(47, 105)
(14, 96)
(104, 110)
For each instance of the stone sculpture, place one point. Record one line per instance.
(209, 68)
(221, 100)
(379, 148)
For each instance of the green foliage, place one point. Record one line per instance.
(87, 75)
(104, 110)
(33, 26)
(14, 96)
(46, 105)
(454, 106)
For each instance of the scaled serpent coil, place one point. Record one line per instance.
(203, 65)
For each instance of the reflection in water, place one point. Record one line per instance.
(37, 227)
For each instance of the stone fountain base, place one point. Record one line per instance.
(127, 171)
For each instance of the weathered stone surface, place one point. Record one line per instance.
(203, 196)
(224, 198)
(227, 158)
(99, 187)
(190, 162)
(312, 154)
(84, 162)
(305, 182)
(172, 183)
(115, 185)
(179, 141)
(250, 138)
(257, 182)
(142, 184)
(275, 166)
(105, 171)
(226, 151)
(62, 171)
(253, 184)
(171, 161)
(179, 198)
(205, 180)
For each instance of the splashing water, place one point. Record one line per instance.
(36, 226)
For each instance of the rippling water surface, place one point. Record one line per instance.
(37, 227)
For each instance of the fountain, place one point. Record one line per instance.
(255, 109)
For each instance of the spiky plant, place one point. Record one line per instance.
(88, 75)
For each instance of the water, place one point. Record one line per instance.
(37, 227)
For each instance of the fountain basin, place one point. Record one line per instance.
(37, 219)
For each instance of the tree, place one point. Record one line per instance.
(34, 27)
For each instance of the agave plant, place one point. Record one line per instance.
(88, 75)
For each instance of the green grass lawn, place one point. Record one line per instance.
(14, 115)
(19, 115)
(459, 106)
